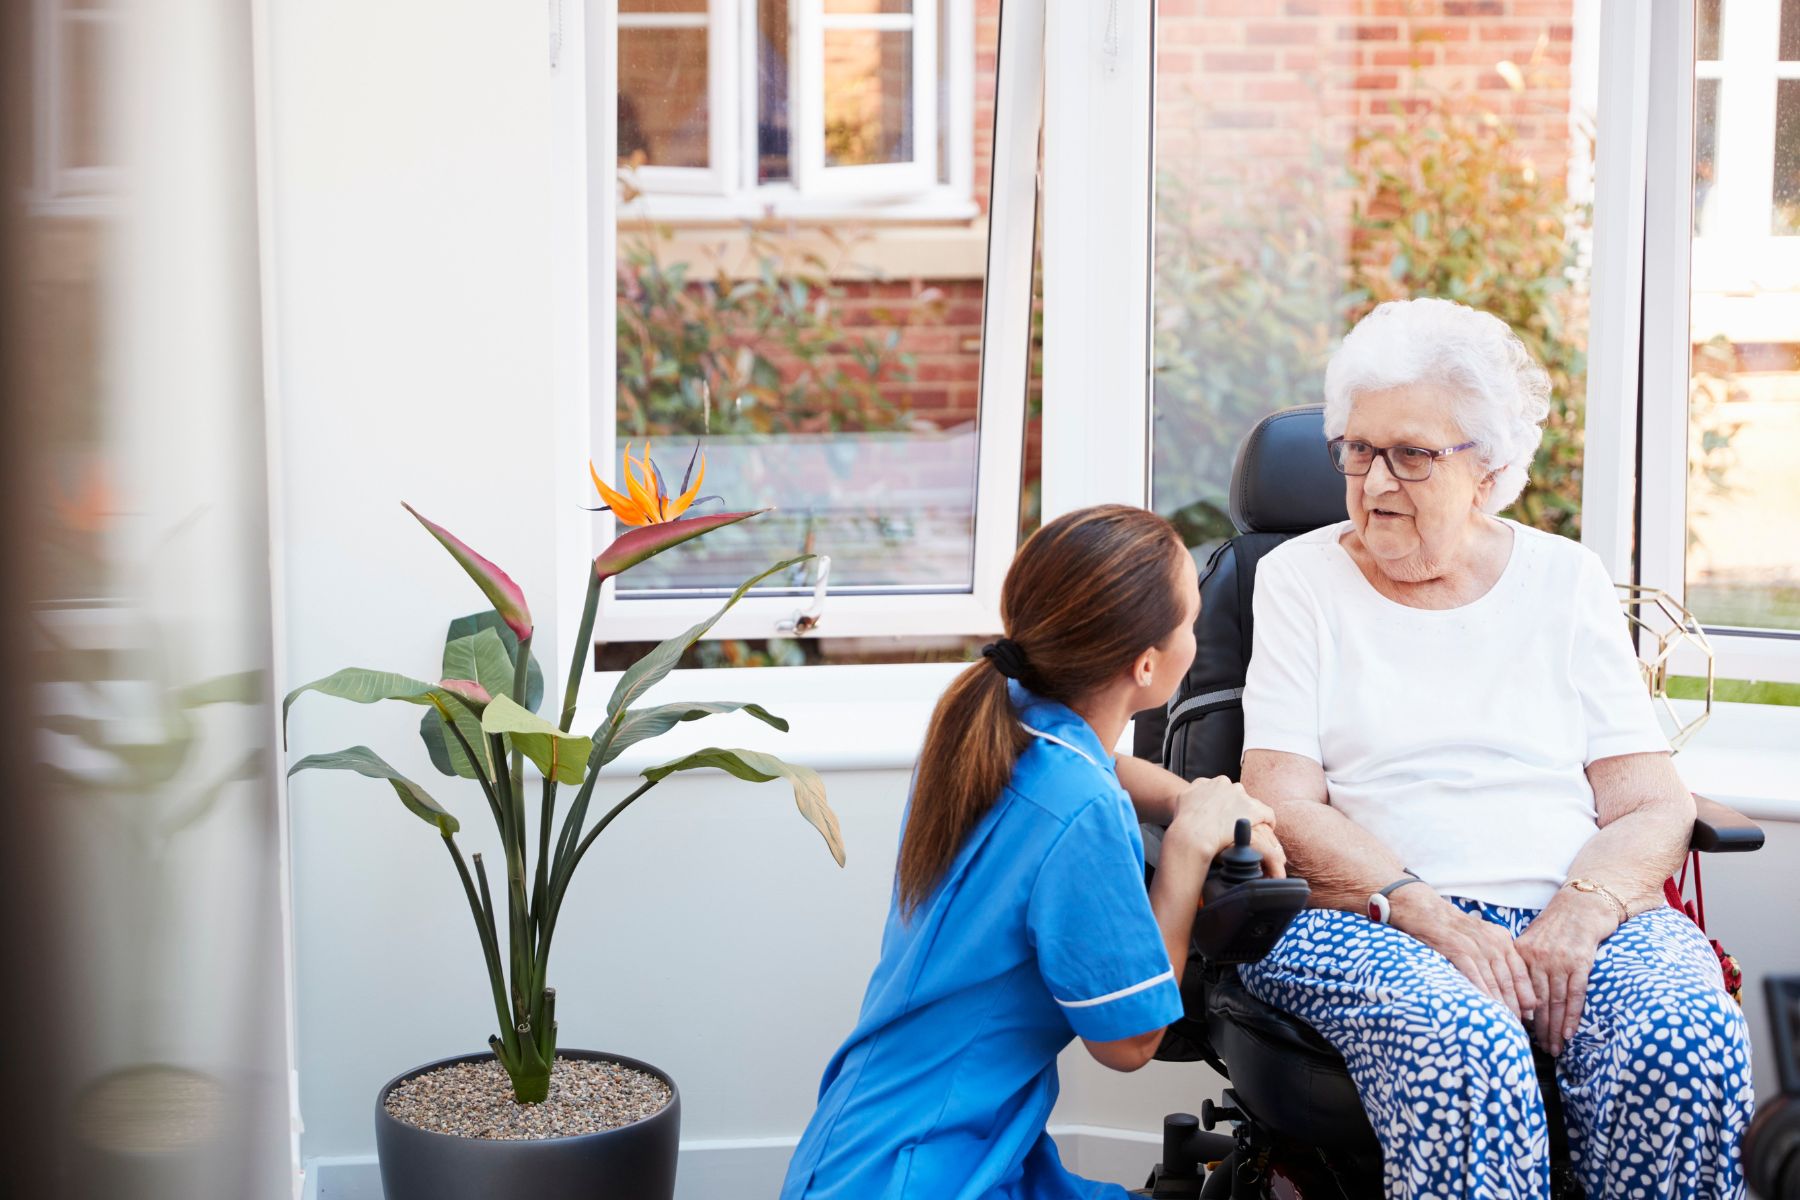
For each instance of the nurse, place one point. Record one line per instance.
(1020, 919)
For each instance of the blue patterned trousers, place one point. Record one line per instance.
(1655, 1083)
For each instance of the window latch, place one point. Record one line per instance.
(804, 620)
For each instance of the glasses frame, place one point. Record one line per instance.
(1385, 454)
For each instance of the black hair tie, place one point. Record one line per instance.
(1006, 656)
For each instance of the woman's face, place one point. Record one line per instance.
(1414, 530)
(1171, 660)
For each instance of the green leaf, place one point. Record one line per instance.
(752, 765)
(446, 753)
(560, 756)
(482, 657)
(655, 666)
(489, 619)
(366, 687)
(365, 761)
(640, 724)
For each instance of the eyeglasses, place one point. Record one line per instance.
(1412, 464)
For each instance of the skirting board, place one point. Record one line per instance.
(730, 1169)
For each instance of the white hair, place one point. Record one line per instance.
(1499, 394)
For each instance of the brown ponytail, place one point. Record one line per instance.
(1085, 595)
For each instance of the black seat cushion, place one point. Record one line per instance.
(1284, 1073)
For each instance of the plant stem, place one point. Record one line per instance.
(583, 647)
(540, 888)
(487, 788)
(481, 908)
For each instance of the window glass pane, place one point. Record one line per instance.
(868, 97)
(1706, 153)
(868, 6)
(772, 91)
(1790, 30)
(830, 371)
(1743, 494)
(1785, 217)
(663, 119)
(1706, 29)
(1312, 166)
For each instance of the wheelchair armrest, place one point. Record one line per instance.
(1722, 830)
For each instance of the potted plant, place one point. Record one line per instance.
(525, 1117)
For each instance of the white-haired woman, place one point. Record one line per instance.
(1444, 711)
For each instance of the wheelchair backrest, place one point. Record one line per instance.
(1282, 485)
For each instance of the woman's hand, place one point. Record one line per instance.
(1482, 951)
(1207, 813)
(1558, 949)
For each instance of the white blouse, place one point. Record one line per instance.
(1458, 737)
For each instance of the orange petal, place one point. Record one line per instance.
(680, 504)
(645, 498)
(623, 507)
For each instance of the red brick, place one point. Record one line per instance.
(1414, 56)
(1474, 8)
(1289, 33)
(1384, 81)
(1278, 90)
(1441, 33)
(1510, 33)
(1369, 33)
(1220, 60)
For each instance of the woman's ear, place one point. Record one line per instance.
(1485, 488)
(1143, 670)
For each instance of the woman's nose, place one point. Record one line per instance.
(1380, 480)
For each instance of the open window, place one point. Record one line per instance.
(833, 368)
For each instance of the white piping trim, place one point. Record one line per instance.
(1133, 990)
(1050, 737)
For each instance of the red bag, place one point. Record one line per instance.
(1676, 891)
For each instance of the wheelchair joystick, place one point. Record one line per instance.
(1240, 862)
(1185, 1151)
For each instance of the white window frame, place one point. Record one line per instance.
(1006, 315)
(723, 63)
(58, 188)
(728, 188)
(1671, 265)
(1737, 248)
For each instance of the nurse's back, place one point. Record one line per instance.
(1019, 919)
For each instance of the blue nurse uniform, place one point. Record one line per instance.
(1039, 932)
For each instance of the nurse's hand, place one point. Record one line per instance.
(1208, 813)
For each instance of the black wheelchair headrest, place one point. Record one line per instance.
(1283, 480)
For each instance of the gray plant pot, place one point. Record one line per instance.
(632, 1162)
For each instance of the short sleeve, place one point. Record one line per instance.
(1098, 947)
(1281, 691)
(1616, 707)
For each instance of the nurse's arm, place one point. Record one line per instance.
(1174, 897)
(1153, 789)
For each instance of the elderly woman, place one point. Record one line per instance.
(1444, 711)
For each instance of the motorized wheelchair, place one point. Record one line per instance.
(1290, 1124)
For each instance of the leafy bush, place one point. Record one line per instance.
(770, 351)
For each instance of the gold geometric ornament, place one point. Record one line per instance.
(1660, 626)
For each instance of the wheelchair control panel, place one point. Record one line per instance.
(1242, 913)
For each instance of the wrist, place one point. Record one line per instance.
(1599, 908)
(1411, 907)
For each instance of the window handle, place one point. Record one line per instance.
(804, 621)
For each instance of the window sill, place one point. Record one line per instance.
(840, 718)
(943, 205)
(1747, 756)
